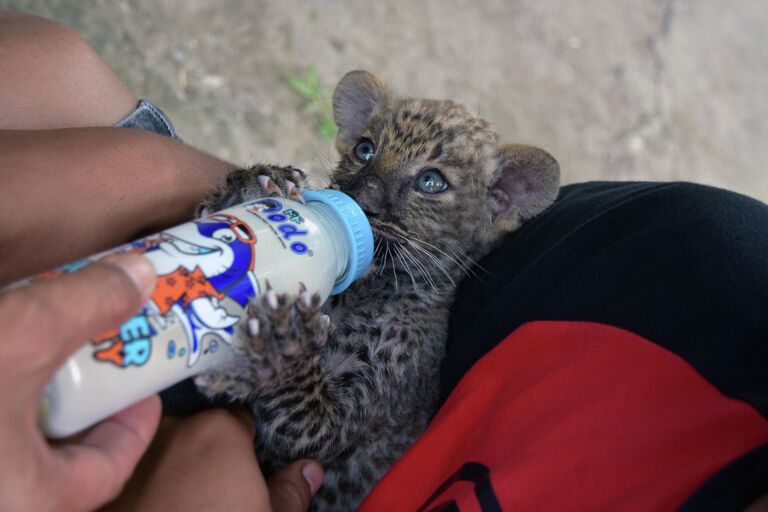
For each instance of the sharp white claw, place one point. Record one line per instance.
(296, 196)
(253, 327)
(271, 298)
(269, 186)
(305, 298)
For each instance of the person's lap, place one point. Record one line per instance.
(683, 266)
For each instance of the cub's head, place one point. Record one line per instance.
(429, 172)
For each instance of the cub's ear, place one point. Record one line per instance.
(357, 97)
(525, 183)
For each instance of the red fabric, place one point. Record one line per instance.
(575, 416)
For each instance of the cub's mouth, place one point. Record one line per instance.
(389, 231)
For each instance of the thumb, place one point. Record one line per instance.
(291, 489)
(62, 313)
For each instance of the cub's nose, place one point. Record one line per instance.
(369, 192)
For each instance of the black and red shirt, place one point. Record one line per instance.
(611, 355)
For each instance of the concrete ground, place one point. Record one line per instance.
(615, 89)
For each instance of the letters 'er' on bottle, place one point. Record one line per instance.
(207, 271)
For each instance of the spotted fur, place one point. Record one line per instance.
(357, 397)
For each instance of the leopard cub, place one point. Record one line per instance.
(353, 382)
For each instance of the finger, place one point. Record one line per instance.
(291, 489)
(94, 470)
(56, 316)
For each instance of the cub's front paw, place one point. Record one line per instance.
(282, 182)
(282, 329)
(279, 338)
(257, 181)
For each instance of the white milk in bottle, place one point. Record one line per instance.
(207, 271)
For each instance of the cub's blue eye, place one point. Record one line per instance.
(365, 150)
(431, 181)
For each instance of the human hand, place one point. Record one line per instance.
(43, 324)
(206, 462)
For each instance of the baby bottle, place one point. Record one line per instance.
(207, 270)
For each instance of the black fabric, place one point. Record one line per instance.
(683, 265)
(735, 487)
(184, 398)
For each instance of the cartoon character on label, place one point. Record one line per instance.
(198, 266)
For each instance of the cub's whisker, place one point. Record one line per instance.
(414, 242)
(399, 251)
(421, 267)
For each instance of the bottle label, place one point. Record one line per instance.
(285, 222)
(205, 278)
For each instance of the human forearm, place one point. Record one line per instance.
(72, 192)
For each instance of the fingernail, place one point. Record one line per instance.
(139, 269)
(313, 473)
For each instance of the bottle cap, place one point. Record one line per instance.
(358, 230)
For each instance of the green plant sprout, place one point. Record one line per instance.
(318, 101)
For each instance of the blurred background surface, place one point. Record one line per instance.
(615, 89)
